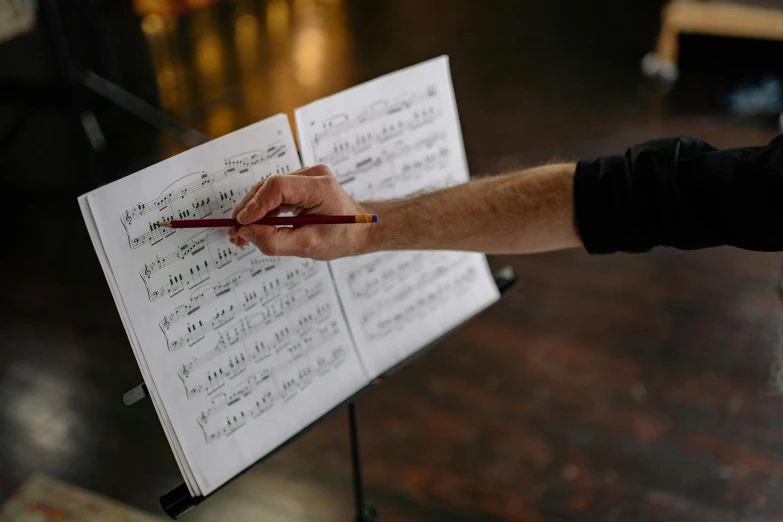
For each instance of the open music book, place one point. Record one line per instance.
(241, 351)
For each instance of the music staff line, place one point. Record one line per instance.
(197, 271)
(340, 123)
(441, 286)
(364, 141)
(223, 201)
(264, 294)
(296, 352)
(246, 329)
(285, 390)
(369, 163)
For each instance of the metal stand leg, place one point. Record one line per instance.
(79, 84)
(364, 513)
(79, 111)
(143, 110)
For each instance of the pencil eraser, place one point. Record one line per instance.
(375, 218)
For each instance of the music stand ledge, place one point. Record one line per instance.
(178, 501)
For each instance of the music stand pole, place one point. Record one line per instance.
(363, 513)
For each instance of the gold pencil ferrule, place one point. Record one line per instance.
(364, 218)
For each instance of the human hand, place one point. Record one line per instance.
(310, 191)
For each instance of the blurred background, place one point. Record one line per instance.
(606, 388)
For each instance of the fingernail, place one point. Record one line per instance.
(241, 216)
(245, 233)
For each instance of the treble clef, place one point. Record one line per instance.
(127, 217)
(147, 271)
(167, 322)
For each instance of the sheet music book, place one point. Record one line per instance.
(241, 351)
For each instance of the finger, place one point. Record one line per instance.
(315, 170)
(248, 197)
(290, 189)
(285, 209)
(273, 241)
(238, 241)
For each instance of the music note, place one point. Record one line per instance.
(195, 196)
(228, 333)
(384, 142)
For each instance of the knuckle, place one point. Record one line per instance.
(269, 248)
(329, 183)
(274, 183)
(322, 170)
(308, 246)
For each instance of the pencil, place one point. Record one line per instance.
(295, 220)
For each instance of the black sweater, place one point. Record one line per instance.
(683, 193)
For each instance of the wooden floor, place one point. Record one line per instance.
(602, 388)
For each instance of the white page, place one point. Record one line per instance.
(244, 350)
(154, 396)
(387, 139)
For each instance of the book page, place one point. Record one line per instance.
(89, 221)
(389, 138)
(243, 350)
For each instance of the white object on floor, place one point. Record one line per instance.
(16, 17)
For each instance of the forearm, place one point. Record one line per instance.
(520, 212)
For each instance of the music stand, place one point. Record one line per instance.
(178, 501)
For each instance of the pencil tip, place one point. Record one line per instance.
(165, 224)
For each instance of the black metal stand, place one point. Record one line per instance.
(178, 501)
(77, 85)
(364, 513)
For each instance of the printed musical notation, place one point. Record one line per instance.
(378, 110)
(263, 391)
(294, 352)
(406, 144)
(429, 290)
(383, 271)
(222, 334)
(246, 329)
(301, 352)
(406, 162)
(265, 292)
(205, 250)
(255, 315)
(201, 194)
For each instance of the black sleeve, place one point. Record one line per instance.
(683, 193)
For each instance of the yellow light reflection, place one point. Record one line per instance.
(256, 102)
(208, 56)
(167, 86)
(220, 121)
(309, 55)
(195, 4)
(303, 4)
(246, 40)
(152, 25)
(277, 18)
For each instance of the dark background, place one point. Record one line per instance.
(603, 388)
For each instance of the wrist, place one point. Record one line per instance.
(373, 239)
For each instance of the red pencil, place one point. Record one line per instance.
(295, 220)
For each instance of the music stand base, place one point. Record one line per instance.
(370, 514)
